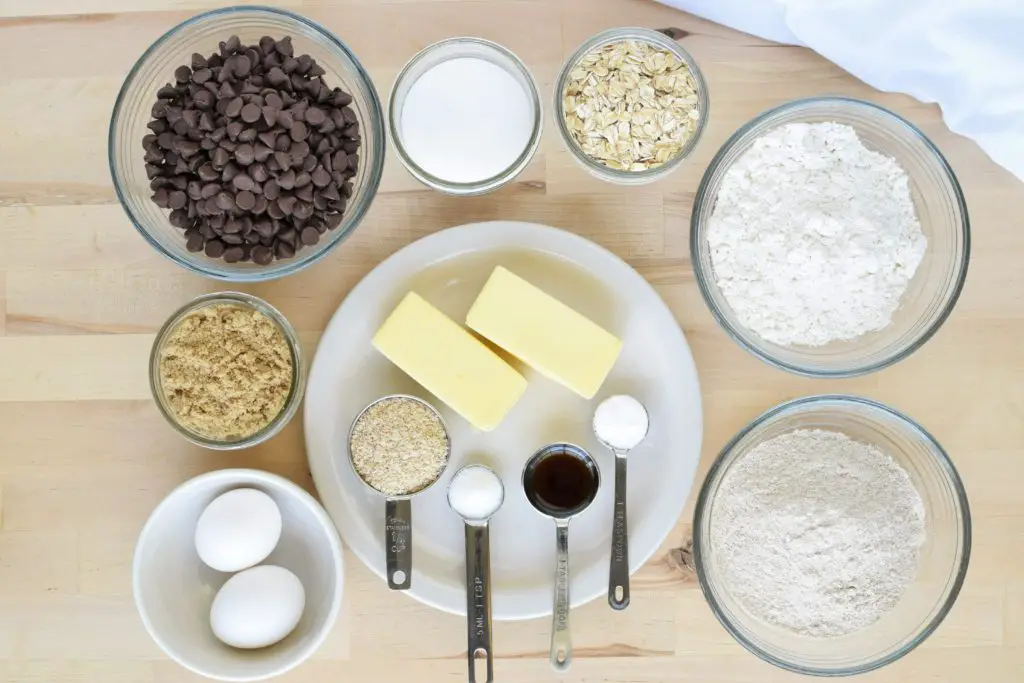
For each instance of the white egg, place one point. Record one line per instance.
(238, 529)
(257, 607)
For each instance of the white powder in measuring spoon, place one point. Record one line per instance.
(475, 492)
(814, 237)
(817, 533)
(466, 120)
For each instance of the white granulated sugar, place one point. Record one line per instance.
(817, 533)
(466, 120)
(814, 237)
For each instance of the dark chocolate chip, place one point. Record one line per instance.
(250, 113)
(243, 182)
(214, 248)
(195, 242)
(262, 255)
(299, 131)
(310, 236)
(245, 200)
(321, 178)
(225, 201)
(245, 154)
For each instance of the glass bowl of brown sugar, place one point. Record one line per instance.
(226, 371)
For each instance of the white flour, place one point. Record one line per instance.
(817, 533)
(814, 237)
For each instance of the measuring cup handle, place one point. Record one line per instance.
(398, 540)
(618, 569)
(478, 597)
(561, 639)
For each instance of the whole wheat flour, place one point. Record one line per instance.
(813, 236)
(817, 533)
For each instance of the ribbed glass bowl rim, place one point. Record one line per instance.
(705, 279)
(358, 211)
(663, 41)
(487, 184)
(783, 410)
(291, 403)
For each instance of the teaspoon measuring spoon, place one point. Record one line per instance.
(476, 493)
(561, 481)
(620, 423)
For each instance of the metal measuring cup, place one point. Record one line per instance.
(561, 638)
(478, 578)
(398, 509)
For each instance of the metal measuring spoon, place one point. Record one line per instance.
(561, 481)
(398, 509)
(618, 569)
(478, 570)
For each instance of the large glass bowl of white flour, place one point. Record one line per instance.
(830, 237)
(832, 535)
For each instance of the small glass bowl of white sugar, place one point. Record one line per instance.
(832, 535)
(465, 116)
(830, 237)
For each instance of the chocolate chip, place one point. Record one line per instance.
(303, 179)
(243, 182)
(262, 255)
(299, 131)
(233, 254)
(225, 201)
(245, 200)
(258, 171)
(214, 248)
(286, 204)
(321, 178)
(195, 242)
(310, 236)
(245, 154)
(283, 250)
(271, 190)
(287, 179)
(315, 116)
(274, 210)
(251, 113)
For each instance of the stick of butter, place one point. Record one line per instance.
(449, 362)
(544, 333)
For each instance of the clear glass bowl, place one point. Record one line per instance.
(940, 206)
(616, 35)
(202, 34)
(442, 51)
(942, 564)
(291, 403)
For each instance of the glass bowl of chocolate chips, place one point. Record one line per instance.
(246, 143)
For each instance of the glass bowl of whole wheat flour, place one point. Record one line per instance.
(830, 237)
(832, 535)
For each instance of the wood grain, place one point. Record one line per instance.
(85, 455)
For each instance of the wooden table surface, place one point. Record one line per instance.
(84, 455)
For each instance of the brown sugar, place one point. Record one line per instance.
(226, 371)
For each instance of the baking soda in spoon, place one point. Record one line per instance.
(466, 120)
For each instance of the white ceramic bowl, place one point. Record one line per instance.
(174, 589)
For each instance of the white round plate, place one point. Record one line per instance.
(448, 269)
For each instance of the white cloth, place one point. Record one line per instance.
(966, 55)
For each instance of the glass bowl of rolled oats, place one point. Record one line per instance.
(631, 105)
